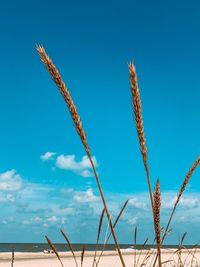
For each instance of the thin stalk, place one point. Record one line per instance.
(54, 250)
(53, 71)
(98, 235)
(181, 191)
(115, 223)
(106, 210)
(70, 246)
(135, 241)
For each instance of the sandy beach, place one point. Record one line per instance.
(110, 258)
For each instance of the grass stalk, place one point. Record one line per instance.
(157, 204)
(98, 236)
(13, 258)
(54, 250)
(135, 242)
(115, 223)
(54, 73)
(82, 256)
(137, 108)
(181, 191)
(70, 246)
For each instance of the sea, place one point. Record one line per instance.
(40, 247)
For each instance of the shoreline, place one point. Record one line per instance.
(5, 256)
(109, 258)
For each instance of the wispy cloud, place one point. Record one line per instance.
(85, 196)
(47, 156)
(134, 202)
(69, 162)
(10, 181)
(47, 208)
(82, 167)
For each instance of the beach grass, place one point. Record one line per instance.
(155, 197)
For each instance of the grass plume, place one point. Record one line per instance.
(54, 250)
(137, 108)
(156, 211)
(55, 75)
(53, 71)
(70, 246)
(182, 189)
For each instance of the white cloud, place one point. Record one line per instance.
(189, 202)
(47, 156)
(37, 219)
(10, 181)
(85, 196)
(82, 167)
(52, 219)
(132, 221)
(63, 211)
(168, 202)
(134, 202)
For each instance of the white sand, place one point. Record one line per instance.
(110, 259)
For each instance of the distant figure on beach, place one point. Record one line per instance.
(49, 251)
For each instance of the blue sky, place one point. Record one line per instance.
(91, 43)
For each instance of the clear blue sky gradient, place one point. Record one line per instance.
(91, 43)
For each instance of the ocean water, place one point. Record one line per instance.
(40, 247)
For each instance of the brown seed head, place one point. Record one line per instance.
(187, 178)
(137, 107)
(53, 71)
(156, 210)
(54, 249)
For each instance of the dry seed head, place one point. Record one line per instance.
(54, 249)
(156, 210)
(137, 107)
(70, 246)
(187, 178)
(77, 122)
(65, 93)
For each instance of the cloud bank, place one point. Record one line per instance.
(70, 163)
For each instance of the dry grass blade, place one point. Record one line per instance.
(135, 235)
(135, 241)
(70, 246)
(78, 125)
(100, 225)
(146, 259)
(54, 250)
(82, 256)
(114, 225)
(157, 204)
(193, 254)
(137, 107)
(98, 235)
(164, 262)
(143, 246)
(13, 258)
(182, 239)
(190, 253)
(187, 178)
(120, 213)
(181, 247)
(181, 191)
